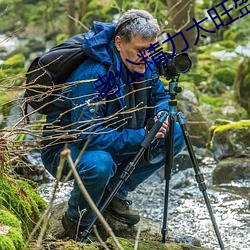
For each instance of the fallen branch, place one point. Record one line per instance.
(66, 154)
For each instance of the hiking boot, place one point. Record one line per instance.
(75, 231)
(121, 211)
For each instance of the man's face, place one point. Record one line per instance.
(131, 50)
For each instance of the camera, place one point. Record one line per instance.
(176, 65)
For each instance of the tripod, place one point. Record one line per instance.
(173, 90)
(129, 169)
(169, 163)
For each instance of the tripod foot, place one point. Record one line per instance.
(164, 232)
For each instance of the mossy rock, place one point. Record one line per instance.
(22, 200)
(10, 231)
(231, 169)
(232, 139)
(128, 244)
(219, 107)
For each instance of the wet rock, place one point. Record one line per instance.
(31, 167)
(231, 169)
(181, 179)
(197, 125)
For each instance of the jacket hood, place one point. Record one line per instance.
(98, 43)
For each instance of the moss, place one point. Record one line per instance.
(13, 239)
(214, 101)
(13, 71)
(228, 45)
(219, 102)
(9, 219)
(16, 237)
(22, 200)
(221, 132)
(225, 75)
(6, 243)
(236, 125)
(16, 61)
(128, 244)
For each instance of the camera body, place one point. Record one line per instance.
(176, 65)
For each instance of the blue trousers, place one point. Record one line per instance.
(100, 170)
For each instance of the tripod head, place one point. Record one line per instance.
(176, 65)
(174, 89)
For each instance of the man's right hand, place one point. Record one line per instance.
(164, 128)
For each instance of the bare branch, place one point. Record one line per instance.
(79, 22)
(66, 154)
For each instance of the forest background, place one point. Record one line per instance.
(216, 74)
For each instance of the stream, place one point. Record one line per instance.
(187, 212)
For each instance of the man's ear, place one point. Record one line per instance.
(118, 43)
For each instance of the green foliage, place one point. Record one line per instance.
(224, 75)
(239, 32)
(60, 38)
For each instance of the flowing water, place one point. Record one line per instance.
(187, 212)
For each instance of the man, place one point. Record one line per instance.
(109, 119)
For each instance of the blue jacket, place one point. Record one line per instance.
(94, 117)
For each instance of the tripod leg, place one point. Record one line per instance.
(199, 176)
(168, 173)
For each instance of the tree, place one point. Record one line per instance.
(180, 17)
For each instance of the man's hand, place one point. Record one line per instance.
(164, 128)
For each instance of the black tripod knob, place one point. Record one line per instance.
(177, 89)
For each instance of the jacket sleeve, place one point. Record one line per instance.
(88, 120)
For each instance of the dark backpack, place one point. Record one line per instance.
(48, 73)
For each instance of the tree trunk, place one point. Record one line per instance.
(181, 13)
(83, 7)
(72, 13)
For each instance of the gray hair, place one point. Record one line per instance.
(137, 22)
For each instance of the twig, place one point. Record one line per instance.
(137, 236)
(77, 21)
(99, 238)
(66, 154)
